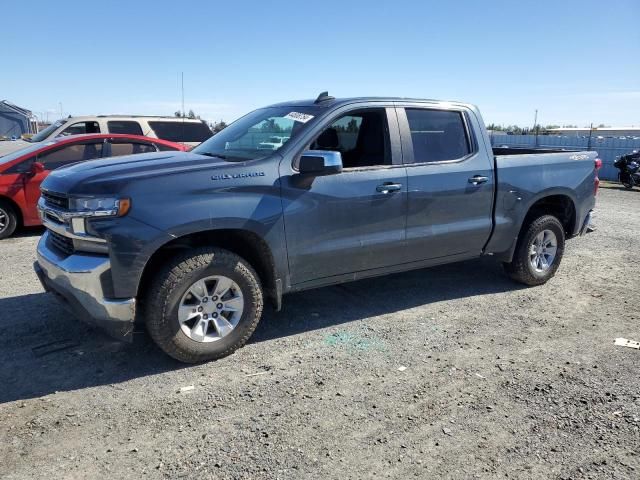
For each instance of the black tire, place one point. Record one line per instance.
(626, 181)
(171, 283)
(9, 218)
(520, 268)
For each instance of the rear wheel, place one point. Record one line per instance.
(203, 305)
(538, 252)
(8, 219)
(626, 181)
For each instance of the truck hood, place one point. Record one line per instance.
(110, 174)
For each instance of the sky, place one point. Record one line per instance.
(576, 62)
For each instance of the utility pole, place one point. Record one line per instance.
(182, 88)
(535, 125)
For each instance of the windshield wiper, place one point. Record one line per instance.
(209, 154)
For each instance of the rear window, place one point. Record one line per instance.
(124, 126)
(437, 135)
(181, 131)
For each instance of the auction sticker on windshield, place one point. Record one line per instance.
(299, 117)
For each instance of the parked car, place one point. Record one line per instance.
(188, 131)
(273, 143)
(194, 244)
(22, 172)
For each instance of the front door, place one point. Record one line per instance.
(355, 220)
(450, 183)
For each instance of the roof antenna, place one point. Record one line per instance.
(323, 97)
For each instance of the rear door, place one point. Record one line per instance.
(451, 182)
(355, 220)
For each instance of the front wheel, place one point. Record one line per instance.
(8, 220)
(538, 252)
(203, 305)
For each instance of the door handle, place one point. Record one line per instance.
(388, 187)
(478, 179)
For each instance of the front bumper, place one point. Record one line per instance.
(77, 280)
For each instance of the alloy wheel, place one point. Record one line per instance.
(543, 250)
(211, 308)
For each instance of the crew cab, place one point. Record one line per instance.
(193, 244)
(22, 172)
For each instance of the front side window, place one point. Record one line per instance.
(259, 133)
(130, 148)
(128, 127)
(362, 138)
(70, 154)
(80, 128)
(437, 135)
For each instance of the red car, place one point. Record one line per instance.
(22, 172)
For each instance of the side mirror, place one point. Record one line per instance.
(36, 168)
(320, 163)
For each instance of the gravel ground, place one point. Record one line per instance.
(451, 372)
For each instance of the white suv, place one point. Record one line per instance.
(188, 131)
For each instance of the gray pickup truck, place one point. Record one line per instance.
(192, 244)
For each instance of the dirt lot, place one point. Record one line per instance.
(500, 381)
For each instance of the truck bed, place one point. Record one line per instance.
(502, 151)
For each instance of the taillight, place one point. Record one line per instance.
(596, 180)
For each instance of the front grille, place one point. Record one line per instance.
(55, 200)
(61, 243)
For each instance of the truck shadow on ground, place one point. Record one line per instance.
(43, 349)
(391, 294)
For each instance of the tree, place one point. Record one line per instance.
(191, 114)
(219, 126)
(178, 114)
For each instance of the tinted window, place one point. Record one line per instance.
(70, 154)
(181, 131)
(165, 148)
(437, 135)
(80, 128)
(124, 126)
(129, 148)
(361, 137)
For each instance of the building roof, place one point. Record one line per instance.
(15, 108)
(599, 129)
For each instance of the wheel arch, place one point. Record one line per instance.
(557, 203)
(244, 243)
(560, 205)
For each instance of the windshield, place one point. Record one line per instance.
(242, 139)
(43, 134)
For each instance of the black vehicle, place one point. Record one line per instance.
(629, 166)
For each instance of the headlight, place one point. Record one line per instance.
(100, 207)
